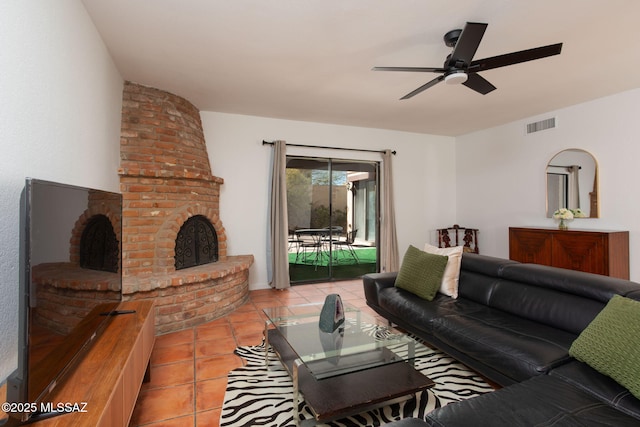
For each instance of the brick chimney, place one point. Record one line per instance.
(165, 179)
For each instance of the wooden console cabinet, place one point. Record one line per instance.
(109, 377)
(593, 251)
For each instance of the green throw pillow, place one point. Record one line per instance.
(610, 345)
(421, 273)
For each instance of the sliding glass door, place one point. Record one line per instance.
(332, 213)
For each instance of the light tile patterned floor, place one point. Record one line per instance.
(189, 368)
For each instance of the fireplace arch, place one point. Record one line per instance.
(196, 243)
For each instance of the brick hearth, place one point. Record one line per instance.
(165, 179)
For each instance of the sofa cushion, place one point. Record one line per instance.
(588, 285)
(449, 285)
(476, 286)
(519, 347)
(540, 401)
(587, 379)
(406, 308)
(483, 264)
(421, 273)
(610, 343)
(561, 310)
(479, 275)
(411, 309)
(635, 295)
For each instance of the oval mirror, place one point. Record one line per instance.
(572, 182)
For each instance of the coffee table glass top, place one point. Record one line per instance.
(363, 342)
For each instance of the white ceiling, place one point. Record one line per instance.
(311, 60)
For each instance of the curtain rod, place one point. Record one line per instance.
(565, 166)
(331, 148)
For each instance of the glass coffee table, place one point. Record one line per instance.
(363, 365)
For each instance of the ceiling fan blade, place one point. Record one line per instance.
(467, 43)
(479, 84)
(412, 69)
(515, 58)
(424, 87)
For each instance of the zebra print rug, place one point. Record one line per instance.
(257, 396)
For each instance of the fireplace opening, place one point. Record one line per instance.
(99, 249)
(196, 244)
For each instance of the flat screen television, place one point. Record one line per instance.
(70, 286)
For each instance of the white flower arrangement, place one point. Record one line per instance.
(563, 213)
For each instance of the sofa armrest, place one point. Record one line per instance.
(373, 283)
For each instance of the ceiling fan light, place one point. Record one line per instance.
(456, 78)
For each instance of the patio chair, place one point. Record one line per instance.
(294, 241)
(309, 246)
(347, 246)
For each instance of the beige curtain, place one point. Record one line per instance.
(278, 256)
(389, 257)
(574, 187)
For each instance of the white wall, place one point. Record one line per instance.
(501, 172)
(424, 176)
(59, 120)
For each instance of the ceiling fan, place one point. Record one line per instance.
(459, 67)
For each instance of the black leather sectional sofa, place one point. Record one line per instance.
(514, 324)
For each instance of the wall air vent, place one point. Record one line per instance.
(541, 125)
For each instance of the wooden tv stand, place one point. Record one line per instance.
(109, 377)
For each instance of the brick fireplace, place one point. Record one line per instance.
(166, 179)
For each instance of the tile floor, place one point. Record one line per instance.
(189, 368)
